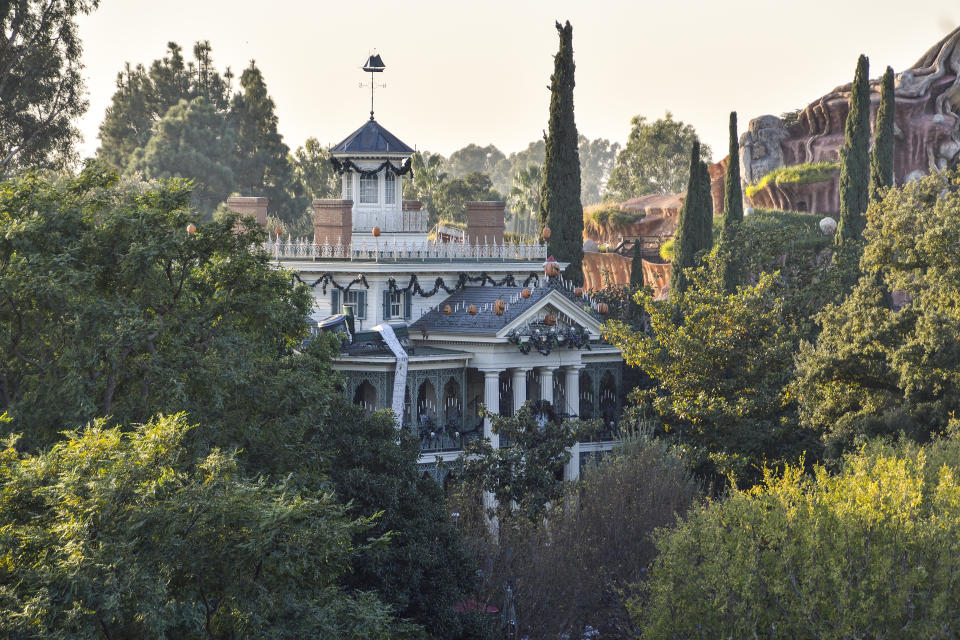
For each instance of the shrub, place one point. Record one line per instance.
(795, 174)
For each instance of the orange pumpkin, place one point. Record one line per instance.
(546, 233)
(472, 310)
(551, 269)
(376, 232)
(525, 293)
(578, 292)
(602, 308)
(278, 231)
(549, 319)
(499, 306)
(191, 228)
(447, 309)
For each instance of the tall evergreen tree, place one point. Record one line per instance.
(560, 207)
(695, 224)
(636, 267)
(881, 159)
(732, 210)
(262, 165)
(854, 158)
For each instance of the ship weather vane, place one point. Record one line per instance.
(373, 65)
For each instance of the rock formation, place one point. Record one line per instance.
(927, 127)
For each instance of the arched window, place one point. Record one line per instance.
(389, 187)
(348, 186)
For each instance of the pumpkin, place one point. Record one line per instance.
(602, 308)
(472, 310)
(549, 319)
(578, 292)
(447, 309)
(376, 232)
(191, 228)
(499, 306)
(278, 231)
(546, 233)
(551, 269)
(525, 293)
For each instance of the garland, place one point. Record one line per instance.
(545, 340)
(413, 286)
(346, 165)
(327, 280)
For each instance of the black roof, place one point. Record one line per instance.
(371, 138)
(485, 321)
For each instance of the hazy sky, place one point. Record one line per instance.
(461, 72)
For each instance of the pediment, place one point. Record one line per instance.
(562, 311)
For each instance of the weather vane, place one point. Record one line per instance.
(373, 65)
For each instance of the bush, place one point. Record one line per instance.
(870, 552)
(795, 174)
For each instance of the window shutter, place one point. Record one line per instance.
(335, 302)
(407, 305)
(362, 305)
(386, 304)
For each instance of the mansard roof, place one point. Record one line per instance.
(485, 322)
(371, 138)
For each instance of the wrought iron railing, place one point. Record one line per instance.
(389, 250)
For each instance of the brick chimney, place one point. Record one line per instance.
(412, 205)
(252, 206)
(484, 221)
(333, 221)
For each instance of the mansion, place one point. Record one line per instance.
(439, 323)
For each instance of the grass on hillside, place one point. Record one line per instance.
(795, 174)
(607, 215)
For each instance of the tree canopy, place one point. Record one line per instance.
(41, 88)
(656, 158)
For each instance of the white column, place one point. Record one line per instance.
(519, 388)
(571, 389)
(546, 383)
(491, 398)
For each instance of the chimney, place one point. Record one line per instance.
(484, 221)
(333, 221)
(412, 205)
(251, 206)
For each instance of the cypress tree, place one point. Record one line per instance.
(854, 158)
(732, 210)
(560, 207)
(881, 159)
(636, 267)
(695, 224)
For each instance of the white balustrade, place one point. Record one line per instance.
(391, 250)
(390, 222)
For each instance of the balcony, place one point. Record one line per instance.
(390, 222)
(388, 250)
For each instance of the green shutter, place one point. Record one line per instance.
(362, 305)
(407, 305)
(386, 304)
(335, 302)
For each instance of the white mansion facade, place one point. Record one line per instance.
(441, 323)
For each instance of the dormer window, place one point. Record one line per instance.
(389, 187)
(369, 189)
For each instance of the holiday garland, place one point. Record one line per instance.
(345, 165)
(327, 280)
(545, 340)
(413, 286)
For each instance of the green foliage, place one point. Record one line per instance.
(668, 249)
(144, 96)
(427, 179)
(636, 267)
(260, 162)
(528, 468)
(806, 173)
(871, 551)
(881, 158)
(425, 571)
(191, 140)
(655, 159)
(121, 535)
(732, 209)
(879, 369)
(560, 206)
(452, 196)
(41, 91)
(314, 172)
(854, 159)
(568, 568)
(525, 196)
(694, 235)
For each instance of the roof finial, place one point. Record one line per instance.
(373, 65)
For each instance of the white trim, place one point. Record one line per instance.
(562, 303)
